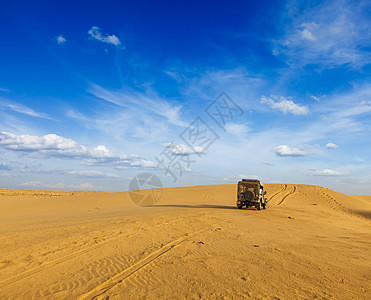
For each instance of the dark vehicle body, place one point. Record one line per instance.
(250, 192)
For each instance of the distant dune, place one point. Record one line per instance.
(42, 193)
(311, 242)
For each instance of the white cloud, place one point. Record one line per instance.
(284, 150)
(143, 163)
(4, 90)
(286, 105)
(95, 33)
(329, 34)
(331, 146)
(180, 149)
(237, 129)
(52, 145)
(60, 39)
(59, 186)
(327, 172)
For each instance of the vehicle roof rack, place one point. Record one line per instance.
(251, 180)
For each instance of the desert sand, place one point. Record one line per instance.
(311, 242)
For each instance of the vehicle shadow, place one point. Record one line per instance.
(196, 206)
(365, 214)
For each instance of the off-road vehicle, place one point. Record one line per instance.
(250, 192)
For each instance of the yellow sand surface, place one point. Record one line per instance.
(311, 242)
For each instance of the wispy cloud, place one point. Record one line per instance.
(148, 102)
(327, 172)
(73, 114)
(236, 178)
(329, 34)
(343, 114)
(315, 98)
(355, 110)
(59, 186)
(238, 83)
(285, 105)
(4, 90)
(306, 31)
(178, 77)
(6, 165)
(14, 168)
(95, 174)
(19, 108)
(95, 33)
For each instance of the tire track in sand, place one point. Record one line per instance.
(196, 246)
(52, 263)
(293, 190)
(67, 257)
(275, 194)
(119, 277)
(100, 269)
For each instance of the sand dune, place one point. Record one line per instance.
(311, 242)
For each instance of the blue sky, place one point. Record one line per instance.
(94, 93)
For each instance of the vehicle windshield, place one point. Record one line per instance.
(245, 186)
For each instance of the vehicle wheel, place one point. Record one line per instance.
(239, 206)
(264, 205)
